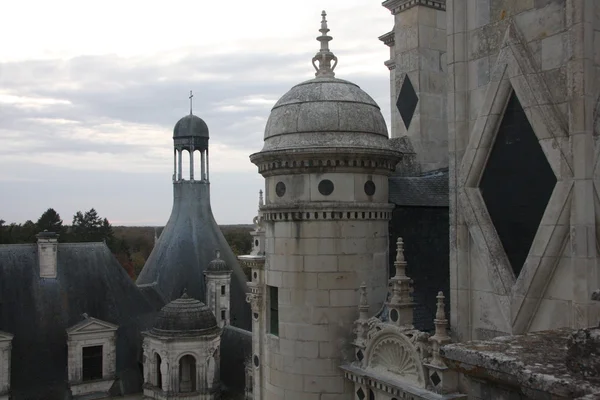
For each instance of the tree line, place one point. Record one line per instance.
(131, 246)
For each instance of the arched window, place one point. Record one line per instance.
(185, 165)
(158, 375)
(187, 374)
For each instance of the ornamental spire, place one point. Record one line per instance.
(324, 56)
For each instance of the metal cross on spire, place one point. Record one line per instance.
(191, 97)
(324, 56)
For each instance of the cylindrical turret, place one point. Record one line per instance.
(326, 162)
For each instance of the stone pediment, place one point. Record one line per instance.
(91, 325)
(5, 336)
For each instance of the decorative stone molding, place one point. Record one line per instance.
(91, 333)
(516, 70)
(391, 353)
(343, 160)
(397, 6)
(388, 39)
(328, 211)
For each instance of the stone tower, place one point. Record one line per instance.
(418, 73)
(218, 282)
(523, 90)
(188, 241)
(326, 161)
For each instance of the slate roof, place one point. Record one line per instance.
(427, 190)
(186, 247)
(38, 311)
(185, 316)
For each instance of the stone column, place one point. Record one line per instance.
(165, 373)
(192, 163)
(207, 177)
(203, 165)
(256, 299)
(180, 164)
(418, 78)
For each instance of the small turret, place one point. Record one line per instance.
(218, 282)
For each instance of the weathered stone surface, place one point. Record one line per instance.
(583, 352)
(533, 365)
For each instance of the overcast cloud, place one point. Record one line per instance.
(90, 92)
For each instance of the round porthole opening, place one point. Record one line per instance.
(325, 187)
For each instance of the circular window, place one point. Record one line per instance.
(256, 242)
(280, 189)
(370, 188)
(255, 360)
(255, 275)
(255, 315)
(394, 315)
(325, 187)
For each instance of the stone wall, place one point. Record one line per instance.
(418, 78)
(545, 52)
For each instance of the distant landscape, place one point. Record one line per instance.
(131, 245)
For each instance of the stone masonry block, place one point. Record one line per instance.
(323, 384)
(305, 280)
(322, 263)
(343, 298)
(336, 280)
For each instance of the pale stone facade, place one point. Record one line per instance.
(218, 289)
(91, 334)
(182, 353)
(5, 358)
(418, 77)
(547, 54)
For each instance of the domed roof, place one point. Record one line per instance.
(185, 316)
(325, 111)
(218, 265)
(190, 125)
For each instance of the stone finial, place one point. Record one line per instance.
(400, 263)
(441, 312)
(217, 254)
(401, 303)
(261, 201)
(184, 295)
(324, 56)
(191, 97)
(441, 331)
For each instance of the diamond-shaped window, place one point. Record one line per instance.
(360, 394)
(407, 101)
(517, 183)
(435, 378)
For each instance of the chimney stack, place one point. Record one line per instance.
(47, 250)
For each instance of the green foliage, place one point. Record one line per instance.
(50, 221)
(131, 245)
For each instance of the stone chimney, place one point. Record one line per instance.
(47, 250)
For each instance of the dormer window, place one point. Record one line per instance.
(92, 356)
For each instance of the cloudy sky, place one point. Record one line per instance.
(90, 92)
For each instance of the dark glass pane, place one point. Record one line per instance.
(92, 363)
(517, 183)
(407, 101)
(274, 310)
